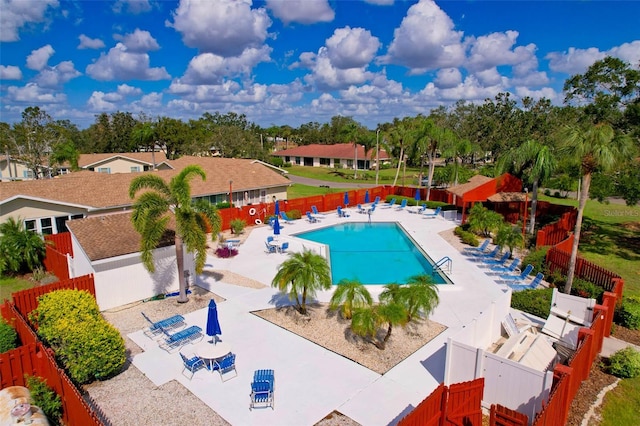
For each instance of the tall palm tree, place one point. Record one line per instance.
(152, 212)
(434, 138)
(301, 276)
(536, 161)
(350, 295)
(598, 148)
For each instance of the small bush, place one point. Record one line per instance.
(223, 205)
(8, 337)
(536, 258)
(46, 398)
(534, 302)
(226, 252)
(628, 314)
(467, 237)
(277, 161)
(84, 342)
(587, 289)
(625, 363)
(237, 226)
(294, 214)
(557, 194)
(547, 192)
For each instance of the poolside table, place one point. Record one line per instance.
(210, 352)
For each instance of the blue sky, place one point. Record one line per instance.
(289, 62)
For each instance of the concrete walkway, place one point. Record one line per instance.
(611, 345)
(311, 381)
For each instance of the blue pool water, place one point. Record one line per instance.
(372, 253)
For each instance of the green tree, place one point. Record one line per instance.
(483, 221)
(367, 321)
(22, 250)
(509, 236)
(420, 296)
(143, 135)
(301, 276)
(597, 148)
(34, 139)
(152, 212)
(350, 295)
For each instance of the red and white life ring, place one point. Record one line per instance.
(252, 211)
(258, 222)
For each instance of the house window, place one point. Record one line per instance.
(336, 162)
(106, 170)
(46, 226)
(30, 225)
(27, 174)
(325, 162)
(135, 169)
(50, 225)
(263, 195)
(287, 159)
(298, 160)
(349, 163)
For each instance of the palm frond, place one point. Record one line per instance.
(149, 182)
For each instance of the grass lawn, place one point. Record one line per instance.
(385, 176)
(622, 405)
(611, 238)
(297, 190)
(10, 285)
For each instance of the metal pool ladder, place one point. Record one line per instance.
(445, 264)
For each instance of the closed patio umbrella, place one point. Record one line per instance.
(276, 226)
(346, 199)
(366, 197)
(417, 197)
(276, 210)
(213, 325)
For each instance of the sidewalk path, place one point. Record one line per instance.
(611, 345)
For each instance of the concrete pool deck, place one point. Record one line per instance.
(311, 381)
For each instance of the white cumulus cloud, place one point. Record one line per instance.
(90, 43)
(139, 41)
(56, 76)
(223, 27)
(38, 58)
(10, 72)
(17, 14)
(208, 68)
(301, 11)
(351, 48)
(120, 64)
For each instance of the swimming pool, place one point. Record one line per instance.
(373, 253)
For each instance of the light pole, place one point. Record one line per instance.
(230, 193)
(355, 165)
(524, 223)
(377, 154)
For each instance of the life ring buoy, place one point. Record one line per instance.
(252, 211)
(258, 222)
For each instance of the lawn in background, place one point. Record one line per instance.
(385, 176)
(297, 190)
(10, 285)
(610, 238)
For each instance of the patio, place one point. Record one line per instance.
(311, 381)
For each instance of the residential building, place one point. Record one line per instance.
(340, 156)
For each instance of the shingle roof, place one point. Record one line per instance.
(341, 150)
(507, 197)
(473, 183)
(102, 237)
(86, 160)
(100, 191)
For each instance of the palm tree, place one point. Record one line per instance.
(366, 321)
(536, 161)
(21, 249)
(433, 137)
(598, 148)
(350, 295)
(509, 236)
(420, 296)
(301, 275)
(152, 212)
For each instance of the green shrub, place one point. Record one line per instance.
(46, 398)
(8, 337)
(547, 192)
(536, 258)
(237, 226)
(534, 302)
(587, 289)
(628, 314)
(87, 345)
(467, 237)
(223, 205)
(625, 363)
(294, 214)
(277, 161)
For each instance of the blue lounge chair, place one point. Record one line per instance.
(479, 249)
(391, 203)
(342, 213)
(501, 269)
(263, 389)
(270, 248)
(402, 205)
(310, 218)
(315, 211)
(284, 246)
(372, 209)
(284, 217)
(433, 214)
(419, 210)
(177, 340)
(377, 200)
(518, 279)
(226, 365)
(531, 286)
(496, 262)
(191, 364)
(173, 323)
(483, 255)
(361, 209)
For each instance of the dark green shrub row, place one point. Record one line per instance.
(625, 363)
(628, 315)
(223, 205)
(276, 161)
(536, 258)
(46, 398)
(84, 342)
(8, 337)
(584, 288)
(412, 202)
(467, 237)
(534, 302)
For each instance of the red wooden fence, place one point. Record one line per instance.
(556, 232)
(556, 411)
(503, 416)
(27, 300)
(459, 404)
(61, 242)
